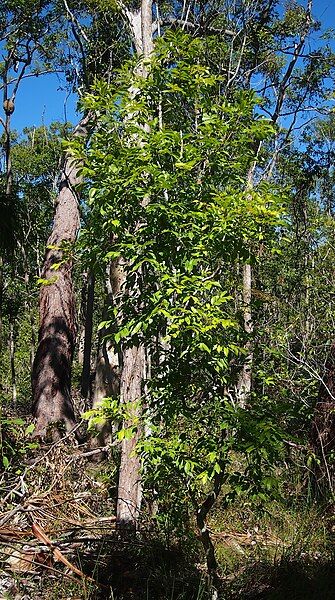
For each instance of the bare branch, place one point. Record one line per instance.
(296, 55)
(33, 74)
(75, 22)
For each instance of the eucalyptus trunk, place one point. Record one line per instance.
(88, 330)
(245, 378)
(107, 371)
(107, 385)
(130, 488)
(133, 358)
(8, 106)
(51, 375)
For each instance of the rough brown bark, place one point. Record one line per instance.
(51, 375)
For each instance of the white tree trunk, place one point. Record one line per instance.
(133, 359)
(245, 378)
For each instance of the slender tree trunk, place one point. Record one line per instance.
(130, 488)
(107, 385)
(107, 382)
(8, 107)
(81, 343)
(323, 428)
(309, 265)
(86, 372)
(133, 358)
(107, 377)
(12, 359)
(82, 319)
(8, 157)
(107, 372)
(51, 376)
(31, 321)
(201, 515)
(28, 306)
(245, 378)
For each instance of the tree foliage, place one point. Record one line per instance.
(167, 173)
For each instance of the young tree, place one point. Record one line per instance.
(259, 50)
(133, 356)
(179, 216)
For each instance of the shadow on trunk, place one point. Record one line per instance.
(52, 377)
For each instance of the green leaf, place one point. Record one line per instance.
(30, 429)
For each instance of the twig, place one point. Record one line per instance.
(92, 452)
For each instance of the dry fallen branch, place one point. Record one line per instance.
(42, 536)
(66, 511)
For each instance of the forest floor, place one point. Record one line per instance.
(58, 541)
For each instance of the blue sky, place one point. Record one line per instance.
(44, 99)
(325, 11)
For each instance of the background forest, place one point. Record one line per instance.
(167, 419)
